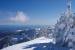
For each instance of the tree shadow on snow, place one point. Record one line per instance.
(45, 46)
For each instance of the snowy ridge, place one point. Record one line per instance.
(25, 44)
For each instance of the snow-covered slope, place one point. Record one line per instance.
(21, 46)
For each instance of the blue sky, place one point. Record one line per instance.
(34, 11)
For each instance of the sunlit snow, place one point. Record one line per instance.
(25, 44)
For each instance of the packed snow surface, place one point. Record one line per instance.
(25, 44)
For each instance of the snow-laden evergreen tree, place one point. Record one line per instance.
(65, 28)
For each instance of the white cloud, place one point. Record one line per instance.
(19, 18)
(15, 18)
